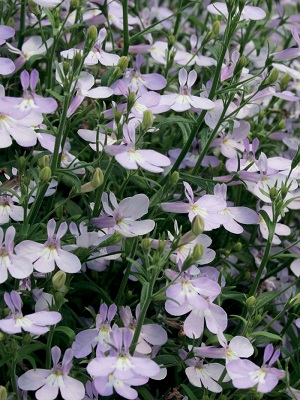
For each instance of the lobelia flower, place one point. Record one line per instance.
(280, 229)
(194, 56)
(48, 3)
(152, 334)
(31, 101)
(245, 374)
(97, 54)
(84, 85)
(6, 65)
(70, 161)
(208, 207)
(249, 12)
(33, 46)
(18, 266)
(119, 370)
(45, 256)
(130, 158)
(203, 375)
(36, 324)
(243, 215)
(291, 52)
(48, 383)
(98, 337)
(184, 100)
(9, 210)
(123, 216)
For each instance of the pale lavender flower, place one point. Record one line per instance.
(248, 13)
(98, 337)
(83, 86)
(291, 52)
(36, 324)
(119, 370)
(152, 334)
(184, 100)
(130, 158)
(122, 217)
(6, 65)
(207, 206)
(280, 229)
(245, 374)
(9, 210)
(46, 256)
(48, 383)
(18, 266)
(48, 3)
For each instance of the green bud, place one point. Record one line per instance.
(147, 120)
(77, 61)
(22, 164)
(285, 81)
(171, 41)
(284, 191)
(257, 319)
(74, 5)
(272, 78)
(117, 73)
(281, 125)
(91, 37)
(242, 62)
(98, 178)
(247, 275)
(66, 68)
(295, 301)
(45, 174)
(296, 160)
(3, 393)
(216, 28)
(123, 63)
(197, 225)
(11, 22)
(117, 116)
(44, 162)
(2, 336)
(198, 252)
(114, 239)
(146, 245)
(250, 302)
(174, 178)
(59, 299)
(34, 8)
(59, 281)
(131, 100)
(27, 338)
(273, 193)
(237, 247)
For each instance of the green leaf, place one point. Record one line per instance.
(56, 95)
(189, 392)
(70, 179)
(270, 336)
(144, 392)
(264, 298)
(166, 359)
(67, 331)
(144, 293)
(206, 184)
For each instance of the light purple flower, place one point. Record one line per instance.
(37, 323)
(122, 217)
(48, 383)
(130, 158)
(9, 210)
(291, 52)
(46, 256)
(18, 266)
(184, 100)
(249, 12)
(6, 65)
(245, 374)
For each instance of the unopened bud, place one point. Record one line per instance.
(272, 78)
(3, 393)
(27, 338)
(74, 5)
(59, 281)
(45, 174)
(273, 193)
(2, 336)
(147, 120)
(91, 36)
(257, 319)
(284, 191)
(242, 62)
(66, 67)
(11, 22)
(295, 301)
(171, 40)
(216, 28)
(198, 252)
(197, 225)
(44, 162)
(98, 178)
(281, 125)
(112, 240)
(77, 61)
(174, 178)
(22, 163)
(123, 63)
(116, 74)
(131, 100)
(146, 245)
(296, 159)
(237, 247)
(285, 81)
(250, 302)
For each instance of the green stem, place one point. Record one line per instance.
(125, 27)
(22, 23)
(37, 204)
(13, 379)
(49, 344)
(100, 189)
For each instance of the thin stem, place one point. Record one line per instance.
(125, 28)
(22, 23)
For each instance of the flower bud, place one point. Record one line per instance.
(198, 252)
(174, 178)
(284, 191)
(296, 159)
(250, 302)
(216, 28)
(77, 61)
(45, 174)
(281, 125)
(273, 193)
(27, 338)
(147, 120)
(21, 163)
(123, 63)
(171, 40)
(146, 245)
(116, 74)
(257, 319)
(74, 5)
(98, 178)
(59, 281)
(272, 78)
(2, 336)
(91, 37)
(242, 62)
(295, 301)
(3, 393)
(237, 247)
(197, 225)
(130, 101)
(44, 162)
(285, 81)
(65, 67)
